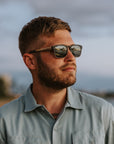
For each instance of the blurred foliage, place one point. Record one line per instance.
(2, 88)
(5, 87)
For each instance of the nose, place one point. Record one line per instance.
(69, 57)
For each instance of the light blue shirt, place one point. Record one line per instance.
(85, 119)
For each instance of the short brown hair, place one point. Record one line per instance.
(39, 26)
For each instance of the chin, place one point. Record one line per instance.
(70, 81)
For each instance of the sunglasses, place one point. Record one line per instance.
(60, 51)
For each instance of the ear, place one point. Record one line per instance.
(30, 61)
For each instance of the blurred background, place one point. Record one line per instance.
(92, 24)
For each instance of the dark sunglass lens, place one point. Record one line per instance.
(76, 50)
(60, 51)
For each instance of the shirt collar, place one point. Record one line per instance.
(30, 102)
(74, 99)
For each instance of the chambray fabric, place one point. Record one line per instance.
(85, 119)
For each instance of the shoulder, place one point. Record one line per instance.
(95, 106)
(92, 101)
(89, 98)
(12, 107)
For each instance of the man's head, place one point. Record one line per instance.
(49, 52)
(38, 27)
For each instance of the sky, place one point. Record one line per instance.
(92, 24)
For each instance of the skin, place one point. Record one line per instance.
(65, 68)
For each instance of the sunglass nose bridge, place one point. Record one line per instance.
(68, 46)
(69, 53)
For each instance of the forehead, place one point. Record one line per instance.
(59, 37)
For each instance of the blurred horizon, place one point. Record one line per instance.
(92, 24)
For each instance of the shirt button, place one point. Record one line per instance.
(55, 128)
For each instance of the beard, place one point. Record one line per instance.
(51, 78)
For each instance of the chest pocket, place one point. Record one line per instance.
(87, 138)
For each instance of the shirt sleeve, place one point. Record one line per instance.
(110, 131)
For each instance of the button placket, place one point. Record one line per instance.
(47, 116)
(55, 136)
(56, 130)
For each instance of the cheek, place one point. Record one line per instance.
(56, 64)
(51, 60)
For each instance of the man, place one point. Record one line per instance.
(50, 111)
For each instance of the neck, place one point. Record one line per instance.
(53, 100)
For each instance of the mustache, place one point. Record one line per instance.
(69, 65)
